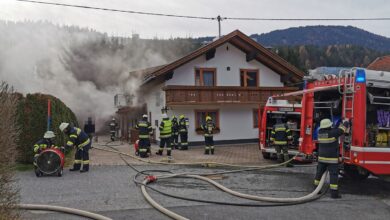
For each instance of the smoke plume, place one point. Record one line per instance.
(84, 68)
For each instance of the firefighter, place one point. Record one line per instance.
(328, 153)
(46, 142)
(89, 128)
(80, 140)
(280, 135)
(175, 133)
(113, 126)
(208, 128)
(183, 131)
(165, 135)
(145, 129)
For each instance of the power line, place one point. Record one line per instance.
(218, 18)
(119, 10)
(308, 19)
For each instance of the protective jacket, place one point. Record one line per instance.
(328, 143)
(208, 128)
(175, 127)
(78, 138)
(144, 128)
(280, 134)
(165, 128)
(42, 144)
(183, 125)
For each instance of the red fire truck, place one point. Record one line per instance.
(363, 97)
(290, 113)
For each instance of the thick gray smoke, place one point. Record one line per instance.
(83, 68)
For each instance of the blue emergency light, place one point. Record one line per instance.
(360, 76)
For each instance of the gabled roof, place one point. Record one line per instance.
(253, 49)
(380, 64)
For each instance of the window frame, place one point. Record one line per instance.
(245, 72)
(201, 71)
(216, 122)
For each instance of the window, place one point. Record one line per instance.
(200, 117)
(256, 117)
(205, 77)
(249, 78)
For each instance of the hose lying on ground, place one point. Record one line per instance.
(67, 210)
(279, 201)
(285, 201)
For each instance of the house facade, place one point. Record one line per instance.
(229, 79)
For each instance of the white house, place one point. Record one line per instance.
(228, 79)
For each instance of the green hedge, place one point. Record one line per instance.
(32, 121)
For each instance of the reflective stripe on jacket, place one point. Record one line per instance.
(165, 128)
(328, 144)
(183, 125)
(280, 134)
(144, 128)
(208, 128)
(78, 138)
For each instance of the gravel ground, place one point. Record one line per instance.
(109, 190)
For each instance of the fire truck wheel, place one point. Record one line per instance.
(355, 173)
(266, 155)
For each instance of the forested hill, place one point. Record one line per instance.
(324, 36)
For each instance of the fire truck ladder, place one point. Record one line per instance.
(348, 97)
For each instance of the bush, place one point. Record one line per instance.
(32, 120)
(8, 135)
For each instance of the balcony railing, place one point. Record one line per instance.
(195, 95)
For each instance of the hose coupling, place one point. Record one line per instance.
(151, 178)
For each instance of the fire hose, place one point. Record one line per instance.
(67, 210)
(279, 201)
(285, 201)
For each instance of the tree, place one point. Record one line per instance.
(8, 135)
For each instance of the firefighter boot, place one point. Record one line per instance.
(159, 152)
(212, 150)
(76, 167)
(168, 153)
(334, 194)
(206, 150)
(279, 158)
(85, 168)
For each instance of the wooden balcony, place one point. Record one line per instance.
(203, 95)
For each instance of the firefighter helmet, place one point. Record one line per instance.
(64, 126)
(325, 123)
(49, 134)
(164, 115)
(208, 118)
(144, 116)
(181, 116)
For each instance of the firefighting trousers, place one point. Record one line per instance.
(279, 149)
(209, 142)
(175, 141)
(333, 169)
(165, 142)
(143, 147)
(81, 157)
(184, 141)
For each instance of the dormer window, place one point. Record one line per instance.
(205, 77)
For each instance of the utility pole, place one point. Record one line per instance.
(219, 19)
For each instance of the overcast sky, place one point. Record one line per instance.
(122, 24)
